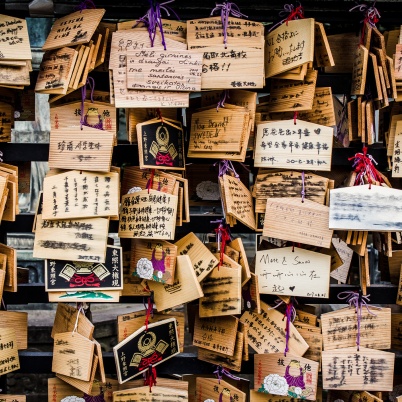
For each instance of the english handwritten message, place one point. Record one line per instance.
(295, 272)
(14, 39)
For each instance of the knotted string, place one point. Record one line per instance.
(150, 181)
(357, 300)
(150, 377)
(227, 9)
(222, 237)
(80, 310)
(85, 4)
(149, 310)
(153, 20)
(96, 398)
(290, 315)
(363, 165)
(83, 120)
(222, 100)
(290, 12)
(371, 16)
(221, 371)
(225, 167)
(303, 192)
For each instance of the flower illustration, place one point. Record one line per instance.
(134, 190)
(275, 384)
(209, 400)
(297, 391)
(144, 268)
(160, 274)
(72, 399)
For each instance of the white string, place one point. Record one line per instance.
(80, 310)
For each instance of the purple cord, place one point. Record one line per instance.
(303, 192)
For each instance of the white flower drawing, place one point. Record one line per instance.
(72, 399)
(209, 400)
(160, 274)
(297, 391)
(134, 190)
(144, 268)
(208, 191)
(275, 384)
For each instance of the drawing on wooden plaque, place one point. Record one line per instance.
(80, 275)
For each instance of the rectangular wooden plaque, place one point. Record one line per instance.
(14, 39)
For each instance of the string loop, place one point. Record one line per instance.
(290, 13)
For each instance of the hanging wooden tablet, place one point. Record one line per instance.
(251, 295)
(293, 271)
(9, 360)
(314, 341)
(202, 259)
(17, 320)
(161, 144)
(129, 324)
(10, 280)
(74, 29)
(58, 390)
(222, 292)
(301, 222)
(217, 132)
(346, 254)
(100, 369)
(6, 121)
(73, 275)
(12, 398)
(82, 385)
(162, 71)
(239, 202)
(339, 328)
(274, 341)
(208, 389)
(288, 375)
(293, 95)
(364, 208)
(184, 289)
(367, 369)
(15, 45)
(359, 71)
(217, 334)
(14, 76)
(52, 237)
(157, 394)
(148, 214)
(232, 362)
(154, 345)
(322, 50)
(284, 144)
(297, 38)
(72, 355)
(65, 319)
(237, 245)
(153, 260)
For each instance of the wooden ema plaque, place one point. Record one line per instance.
(10, 280)
(289, 46)
(65, 319)
(222, 292)
(79, 239)
(322, 51)
(359, 71)
(14, 76)
(349, 369)
(148, 214)
(293, 95)
(274, 341)
(235, 67)
(232, 362)
(129, 323)
(9, 360)
(89, 296)
(78, 194)
(6, 121)
(208, 389)
(202, 259)
(153, 260)
(17, 320)
(15, 40)
(163, 71)
(73, 355)
(161, 144)
(73, 275)
(346, 254)
(365, 208)
(87, 149)
(217, 131)
(217, 334)
(12, 398)
(157, 394)
(55, 71)
(74, 29)
(293, 271)
(184, 289)
(396, 148)
(132, 40)
(68, 117)
(251, 295)
(301, 222)
(144, 347)
(339, 328)
(238, 201)
(288, 375)
(284, 144)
